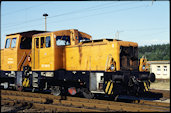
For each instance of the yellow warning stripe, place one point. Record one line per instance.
(148, 85)
(145, 85)
(107, 87)
(111, 87)
(26, 82)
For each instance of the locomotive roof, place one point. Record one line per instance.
(100, 40)
(67, 33)
(27, 32)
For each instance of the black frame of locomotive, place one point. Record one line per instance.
(125, 82)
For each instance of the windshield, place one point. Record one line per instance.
(62, 40)
(7, 45)
(13, 43)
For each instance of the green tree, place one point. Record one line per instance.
(155, 52)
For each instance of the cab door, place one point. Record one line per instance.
(36, 53)
(46, 53)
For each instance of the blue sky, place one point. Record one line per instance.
(143, 22)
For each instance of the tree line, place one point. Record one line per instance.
(155, 52)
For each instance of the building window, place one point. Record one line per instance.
(158, 70)
(165, 70)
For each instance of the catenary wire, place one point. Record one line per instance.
(90, 15)
(68, 13)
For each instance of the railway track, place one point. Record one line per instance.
(37, 101)
(166, 93)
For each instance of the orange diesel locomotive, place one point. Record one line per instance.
(71, 59)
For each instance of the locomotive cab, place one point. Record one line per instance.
(49, 56)
(51, 46)
(17, 49)
(15, 53)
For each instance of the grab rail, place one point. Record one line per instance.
(21, 60)
(26, 58)
(107, 61)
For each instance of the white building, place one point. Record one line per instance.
(160, 68)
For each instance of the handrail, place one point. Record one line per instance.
(107, 61)
(21, 59)
(26, 58)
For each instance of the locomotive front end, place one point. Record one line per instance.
(132, 76)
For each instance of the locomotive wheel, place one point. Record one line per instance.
(55, 90)
(87, 94)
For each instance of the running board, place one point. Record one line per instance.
(100, 92)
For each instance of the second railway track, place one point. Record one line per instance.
(75, 104)
(166, 93)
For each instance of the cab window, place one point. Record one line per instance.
(7, 45)
(81, 39)
(48, 42)
(13, 43)
(42, 42)
(26, 43)
(62, 40)
(37, 42)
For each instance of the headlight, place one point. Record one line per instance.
(143, 67)
(112, 67)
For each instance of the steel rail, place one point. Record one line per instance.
(85, 103)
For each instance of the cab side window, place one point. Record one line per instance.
(7, 45)
(42, 42)
(26, 43)
(81, 39)
(62, 40)
(13, 43)
(48, 42)
(37, 42)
